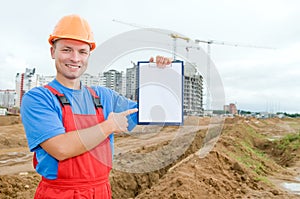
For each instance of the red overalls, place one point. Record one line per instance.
(86, 175)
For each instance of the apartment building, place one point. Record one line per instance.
(231, 109)
(90, 80)
(113, 79)
(24, 82)
(44, 80)
(8, 98)
(193, 90)
(131, 82)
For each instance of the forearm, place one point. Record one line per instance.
(91, 137)
(74, 143)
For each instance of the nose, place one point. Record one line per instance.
(75, 56)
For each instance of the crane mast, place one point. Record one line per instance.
(196, 41)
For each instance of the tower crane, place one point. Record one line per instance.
(174, 36)
(195, 45)
(208, 51)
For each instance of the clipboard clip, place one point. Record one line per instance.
(153, 65)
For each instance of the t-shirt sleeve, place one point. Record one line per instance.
(41, 116)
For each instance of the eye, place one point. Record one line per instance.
(84, 52)
(66, 50)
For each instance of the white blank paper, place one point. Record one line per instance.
(160, 94)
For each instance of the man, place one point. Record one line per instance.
(70, 127)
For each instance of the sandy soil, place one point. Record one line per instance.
(164, 162)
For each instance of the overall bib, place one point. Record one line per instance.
(86, 175)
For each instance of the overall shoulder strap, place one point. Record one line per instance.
(61, 97)
(96, 98)
(67, 113)
(97, 103)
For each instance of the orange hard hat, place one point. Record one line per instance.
(73, 27)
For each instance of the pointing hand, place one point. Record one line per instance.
(119, 121)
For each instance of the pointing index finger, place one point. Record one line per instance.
(130, 111)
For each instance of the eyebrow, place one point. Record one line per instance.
(81, 49)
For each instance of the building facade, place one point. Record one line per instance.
(25, 82)
(193, 91)
(113, 79)
(131, 82)
(44, 80)
(231, 109)
(8, 98)
(89, 80)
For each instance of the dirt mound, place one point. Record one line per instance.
(15, 161)
(12, 136)
(216, 176)
(241, 165)
(130, 184)
(21, 185)
(236, 168)
(9, 120)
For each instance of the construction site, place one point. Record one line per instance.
(209, 156)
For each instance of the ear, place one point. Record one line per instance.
(52, 51)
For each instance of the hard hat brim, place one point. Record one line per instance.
(53, 38)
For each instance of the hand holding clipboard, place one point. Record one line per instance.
(161, 61)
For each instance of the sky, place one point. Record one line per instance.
(254, 77)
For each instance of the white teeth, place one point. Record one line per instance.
(70, 66)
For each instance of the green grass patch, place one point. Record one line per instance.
(251, 157)
(254, 133)
(256, 166)
(253, 150)
(264, 179)
(290, 141)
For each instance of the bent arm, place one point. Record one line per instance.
(74, 143)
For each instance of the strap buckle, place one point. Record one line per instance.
(63, 100)
(97, 102)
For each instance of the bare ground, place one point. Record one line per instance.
(243, 164)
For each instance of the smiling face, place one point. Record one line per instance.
(71, 60)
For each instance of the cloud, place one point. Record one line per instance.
(10, 64)
(271, 76)
(251, 76)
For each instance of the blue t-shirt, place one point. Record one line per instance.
(42, 117)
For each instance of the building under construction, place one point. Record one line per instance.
(193, 91)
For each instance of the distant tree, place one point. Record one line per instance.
(294, 115)
(242, 112)
(219, 112)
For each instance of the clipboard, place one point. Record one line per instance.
(160, 94)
